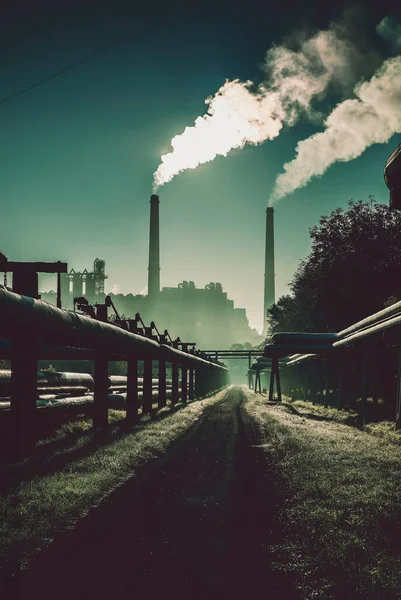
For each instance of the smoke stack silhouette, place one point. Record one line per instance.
(270, 296)
(154, 248)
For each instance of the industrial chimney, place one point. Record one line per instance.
(154, 249)
(270, 296)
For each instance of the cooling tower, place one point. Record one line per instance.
(154, 248)
(270, 296)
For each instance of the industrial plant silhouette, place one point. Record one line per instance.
(201, 315)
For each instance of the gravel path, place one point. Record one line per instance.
(194, 523)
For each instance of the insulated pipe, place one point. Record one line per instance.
(29, 322)
(391, 311)
(23, 316)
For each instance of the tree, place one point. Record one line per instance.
(236, 347)
(353, 270)
(284, 315)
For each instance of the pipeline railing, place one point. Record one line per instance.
(30, 324)
(333, 363)
(62, 389)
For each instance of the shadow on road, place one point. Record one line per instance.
(198, 522)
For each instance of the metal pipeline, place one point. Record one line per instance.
(28, 318)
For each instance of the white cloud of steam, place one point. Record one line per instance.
(390, 30)
(373, 117)
(241, 113)
(235, 116)
(300, 76)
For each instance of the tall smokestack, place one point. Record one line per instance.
(154, 249)
(270, 296)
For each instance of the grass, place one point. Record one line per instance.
(347, 417)
(383, 429)
(340, 491)
(75, 470)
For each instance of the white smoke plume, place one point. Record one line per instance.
(241, 113)
(373, 116)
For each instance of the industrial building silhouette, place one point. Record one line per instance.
(202, 315)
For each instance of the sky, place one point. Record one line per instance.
(78, 153)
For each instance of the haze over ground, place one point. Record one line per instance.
(78, 153)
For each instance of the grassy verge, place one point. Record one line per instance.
(383, 429)
(76, 469)
(340, 491)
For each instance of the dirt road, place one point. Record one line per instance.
(195, 523)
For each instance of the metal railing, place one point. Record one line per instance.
(346, 362)
(31, 329)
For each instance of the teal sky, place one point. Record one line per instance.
(77, 154)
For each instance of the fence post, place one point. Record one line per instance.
(147, 386)
(162, 392)
(132, 390)
(24, 369)
(271, 386)
(278, 383)
(198, 381)
(101, 391)
(314, 384)
(174, 383)
(208, 380)
(184, 382)
(326, 393)
(398, 400)
(306, 385)
(340, 386)
(364, 390)
(191, 383)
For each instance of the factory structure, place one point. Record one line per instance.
(269, 290)
(76, 284)
(201, 315)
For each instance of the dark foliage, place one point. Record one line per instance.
(353, 270)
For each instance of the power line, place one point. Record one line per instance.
(65, 69)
